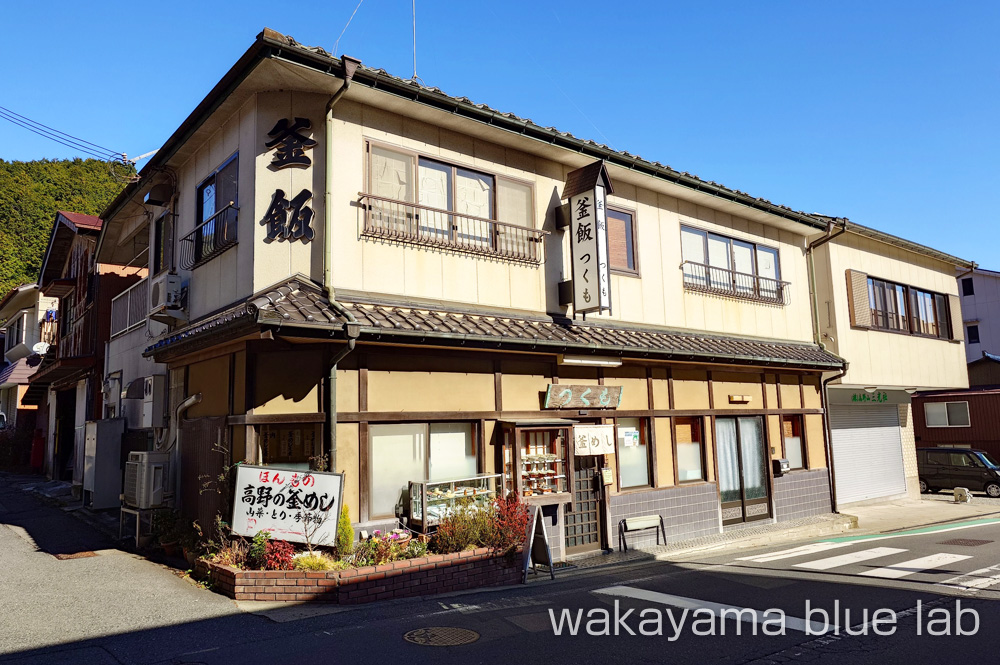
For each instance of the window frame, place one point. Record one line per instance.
(163, 261)
(18, 324)
(968, 415)
(477, 450)
(199, 256)
(703, 445)
(800, 420)
(646, 439)
(940, 308)
(971, 291)
(633, 229)
(969, 334)
(759, 292)
(454, 165)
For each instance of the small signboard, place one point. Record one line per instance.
(594, 439)
(562, 396)
(297, 506)
(536, 545)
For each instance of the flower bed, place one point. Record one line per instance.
(438, 573)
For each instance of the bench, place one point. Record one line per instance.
(643, 523)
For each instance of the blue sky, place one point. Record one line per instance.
(884, 112)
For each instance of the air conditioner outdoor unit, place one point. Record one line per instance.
(146, 475)
(165, 299)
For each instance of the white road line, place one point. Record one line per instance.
(720, 610)
(898, 570)
(804, 550)
(977, 579)
(847, 559)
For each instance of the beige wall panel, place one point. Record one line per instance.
(811, 391)
(248, 199)
(790, 397)
(288, 382)
(774, 436)
(422, 265)
(661, 392)
(771, 390)
(523, 392)
(690, 389)
(429, 391)
(349, 463)
(347, 390)
(271, 259)
(489, 451)
(725, 384)
(815, 433)
(347, 180)
(211, 379)
(635, 395)
(664, 452)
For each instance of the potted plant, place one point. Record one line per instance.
(165, 525)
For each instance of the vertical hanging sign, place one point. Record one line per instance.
(586, 189)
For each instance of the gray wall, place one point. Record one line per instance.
(802, 494)
(688, 511)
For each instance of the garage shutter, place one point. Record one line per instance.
(867, 452)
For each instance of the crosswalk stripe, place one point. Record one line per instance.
(898, 570)
(977, 579)
(847, 559)
(720, 610)
(803, 550)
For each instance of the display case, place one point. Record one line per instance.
(534, 461)
(430, 500)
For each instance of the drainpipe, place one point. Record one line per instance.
(823, 394)
(349, 66)
(828, 430)
(173, 440)
(352, 328)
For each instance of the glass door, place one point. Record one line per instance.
(743, 479)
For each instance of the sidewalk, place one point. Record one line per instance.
(931, 510)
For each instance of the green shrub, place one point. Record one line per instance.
(317, 561)
(257, 554)
(499, 525)
(345, 534)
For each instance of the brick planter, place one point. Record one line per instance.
(438, 573)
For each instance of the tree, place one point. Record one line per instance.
(30, 195)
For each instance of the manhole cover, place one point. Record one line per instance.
(74, 555)
(965, 542)
(441, 636)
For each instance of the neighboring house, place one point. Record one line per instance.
(984, 372)
(890, 307)
(356, 267)
(964, 418)
(68, 385)
(29, 321)
(980, 294)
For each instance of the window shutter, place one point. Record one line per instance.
(957, 326)
(857, 299)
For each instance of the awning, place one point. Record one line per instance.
(299, 305)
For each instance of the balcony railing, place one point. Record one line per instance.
(732, 284)
(210, 238)
(48, 331)
(129, 308)
(401, 221)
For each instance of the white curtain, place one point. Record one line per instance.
(397, 457)
(743, 264)
(693, 250)
(729, 465)
(752, 452)
(434, 192)
(452, 451)
(718, 259)
(391, 174)
(474, 197)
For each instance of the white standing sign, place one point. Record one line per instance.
(298, 506)
(591, 272)
(594, 439)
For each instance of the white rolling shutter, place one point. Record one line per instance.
(867, 452)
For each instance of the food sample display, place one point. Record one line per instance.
(431, 500)
(542, 467)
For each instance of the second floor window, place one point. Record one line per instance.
(15, 332)
(163, 243)
(908, 309)
(216, 223)
(417, 199)
(720, 264)
(621, 241)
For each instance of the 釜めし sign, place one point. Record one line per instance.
(298, 506)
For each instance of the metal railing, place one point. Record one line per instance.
(402, 221)
(210, 238)
(732, 284)
(129, 308)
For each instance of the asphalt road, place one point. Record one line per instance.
(183, 624)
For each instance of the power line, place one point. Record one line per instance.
(63, 138)
(337, 43)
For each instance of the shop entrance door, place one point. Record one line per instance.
(743, 480)
(583, 522)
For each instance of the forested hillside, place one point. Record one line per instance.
(30, 195)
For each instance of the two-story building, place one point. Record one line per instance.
(29, 320)
(68, 385)
(359, 271)
(980, 294)
(890, 307)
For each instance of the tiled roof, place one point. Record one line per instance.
(301, 304)
(16, 373)
(81, 220)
